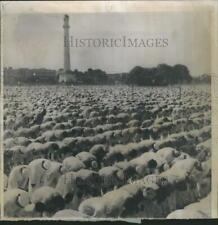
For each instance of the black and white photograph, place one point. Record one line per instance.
(107, 110)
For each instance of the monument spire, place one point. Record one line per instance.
(66, 44)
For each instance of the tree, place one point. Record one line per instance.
(162, 75)
(182, 73)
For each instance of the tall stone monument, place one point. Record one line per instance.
(66, 44)
(67, 76)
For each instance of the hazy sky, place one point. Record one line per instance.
(36, 40)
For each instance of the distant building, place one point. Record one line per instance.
(66, 75)
(67, 78)
(30, 76)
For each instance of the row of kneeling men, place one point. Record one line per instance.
(124, 189)
(21, 150)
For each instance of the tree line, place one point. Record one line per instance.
(161, 75)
